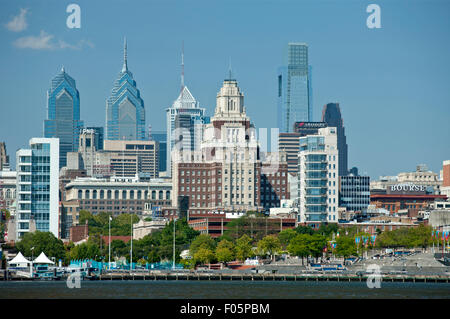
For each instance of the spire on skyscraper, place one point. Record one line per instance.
(229, 70)
(125, 65)
(182, 66)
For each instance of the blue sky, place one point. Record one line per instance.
(392, 83)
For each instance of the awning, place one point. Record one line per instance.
(42, 259)
(19, 259)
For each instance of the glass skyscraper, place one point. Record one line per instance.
(294, 88)
(161, 138)
(331, 115)
(63, 115)
(125, 112)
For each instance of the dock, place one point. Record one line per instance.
(252, 277)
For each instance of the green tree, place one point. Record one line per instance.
(345, 247)
(304, 230)
(225, 251)
(300, 246)
(88, 250)
(328, 229)
(224, 255)
(243, 248)
(202, 241)
(286, 236)
(269, 245)
(316, 245)
(42, 242)
(203, 256)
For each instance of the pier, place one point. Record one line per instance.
(248, 277)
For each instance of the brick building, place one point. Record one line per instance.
(227, 173)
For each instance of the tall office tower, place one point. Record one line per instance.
(354, 192)
(294, 100)
(185, 104)
(318, 177)
(98, 136)
(4, 158)
(63, 115)
(225, 173)
(125, 112)
(331, 114)
(161, 138)
(37, 194)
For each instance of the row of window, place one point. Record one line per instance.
(139, 194)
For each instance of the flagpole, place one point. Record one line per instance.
(173, 266)
(109, 246)
(131, 251)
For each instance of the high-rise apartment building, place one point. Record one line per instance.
(63, 114)
(125, 112)
(331, 115)
(294, 100)
(37, 191)
(318, 177)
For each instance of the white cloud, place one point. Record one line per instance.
(40, 42)
(19, 22)
(44, 41)
(80, 45)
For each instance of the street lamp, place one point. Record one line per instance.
(174, 229)
(31, 265)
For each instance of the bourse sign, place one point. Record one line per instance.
(406, 188)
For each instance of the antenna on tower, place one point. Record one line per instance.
(182, 66)
(229, 70)
(125, 65)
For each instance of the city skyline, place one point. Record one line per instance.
(389, 95)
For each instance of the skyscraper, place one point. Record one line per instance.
(185, 105)
(294, 88)
(125, 112)
(37, 194)
(161, 138)
(228, 153)
(331, 114)
(63, 115)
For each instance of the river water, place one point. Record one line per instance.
(220, 290)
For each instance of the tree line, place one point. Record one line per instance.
(302, 241)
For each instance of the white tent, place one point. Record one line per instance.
(19, 260)
(42, 259)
